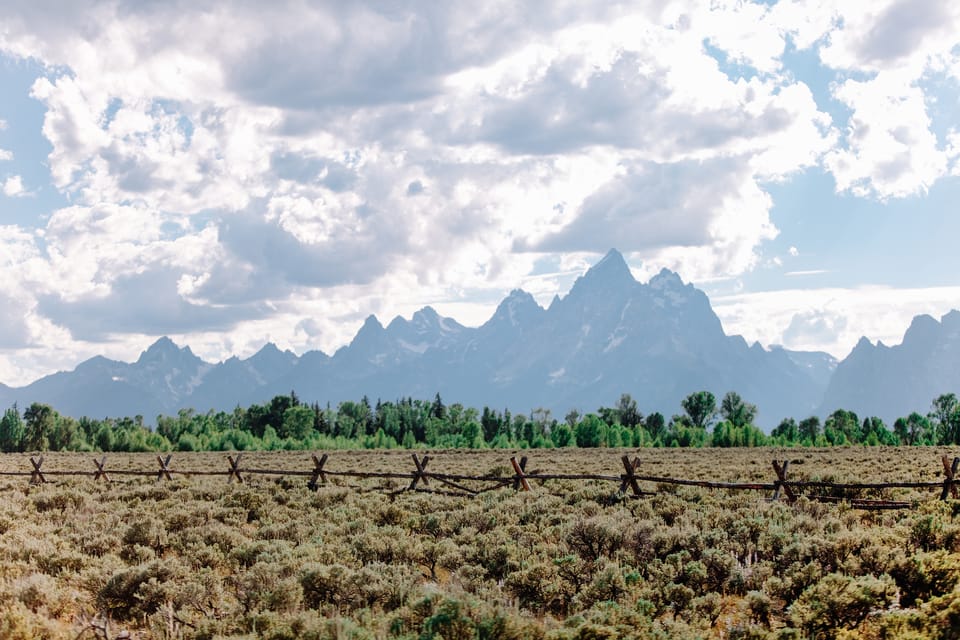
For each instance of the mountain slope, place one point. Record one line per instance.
(891, 382)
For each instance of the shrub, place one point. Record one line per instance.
(925, 575)
(138, 591)
(840, 602)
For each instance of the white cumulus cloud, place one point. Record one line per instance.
(13, 187)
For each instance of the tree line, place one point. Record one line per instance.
(285, 422)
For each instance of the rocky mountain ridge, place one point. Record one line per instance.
(658, 341)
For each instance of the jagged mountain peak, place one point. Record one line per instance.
(425, 320)
(923, 331)
(892, 381)
(666, 279)
(162, 344)
(270, 352)
(520, 298)
(612, 266)
(426, 317)
(371, 329)
(515, 308)
(610, 274)
(269, 347)
(165, 349)
(951, 320)
(371, 323)
(922, 322)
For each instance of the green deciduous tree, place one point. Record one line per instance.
(589, 431)
(874, 432)
(809, 429)
(915, 429)
(656, 426)
(297, 422)
(40, 420)
(787, 432)
(945, 414)
(736, 411)
(842, 427)
(627, 412)
(701, 408)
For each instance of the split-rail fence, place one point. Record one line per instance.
(781, 487)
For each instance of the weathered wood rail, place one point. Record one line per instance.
(420, 478)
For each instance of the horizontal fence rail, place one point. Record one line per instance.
(420, 478)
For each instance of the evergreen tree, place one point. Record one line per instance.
(12, 430)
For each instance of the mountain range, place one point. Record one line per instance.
(610, 334)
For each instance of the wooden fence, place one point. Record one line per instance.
(457, 484)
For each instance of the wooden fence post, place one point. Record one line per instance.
(234, 469)
(420, 474)
(630, 477)
(36, 476)
(164, 471)
(519, 480)
(781, 481)
(949, 471)
(318, 473)
(100, 472)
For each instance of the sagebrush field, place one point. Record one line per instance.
(197, 557)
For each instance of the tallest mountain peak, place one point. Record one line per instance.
(611, 269)
(613, 259)
(610, 274)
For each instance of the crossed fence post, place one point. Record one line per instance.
(949, 481)
(781, 482)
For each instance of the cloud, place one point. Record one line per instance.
(256, 167)
(702, 218)
(830, 319)
(656, 96)
(890, 150)
(264, 260)
(14, 324)
(308, 169)
(814, 327)
(807, 272)
(5, 155)
(13, 187)
(141, 303)
(890, 34)
(363, 57)
(650, 206)
(886, 52)
(901, 30)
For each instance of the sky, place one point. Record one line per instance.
(229, 174)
